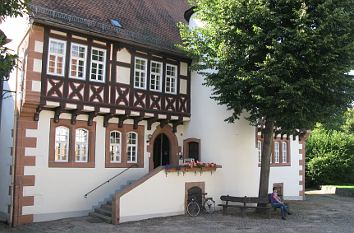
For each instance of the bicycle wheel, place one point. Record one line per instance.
(193, 209)
(209, 206)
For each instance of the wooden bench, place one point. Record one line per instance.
(244, 203)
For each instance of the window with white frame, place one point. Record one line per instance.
(276, 152)
(98, 63)
(115, 147)
(132, 146)
(56, 57)
(155, 76)
(259, 150)
(78, 61)
(140, 73)
(61, 144)
(171, 79)
(81, 145)
(284, 152)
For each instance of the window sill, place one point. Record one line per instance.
(122, 165)
(71, 164)
(278, 165)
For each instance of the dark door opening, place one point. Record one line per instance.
(161, 151)
(196, 193)
(193, 152)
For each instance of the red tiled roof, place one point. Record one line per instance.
(148, 22)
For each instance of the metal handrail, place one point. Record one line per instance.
(109, 180)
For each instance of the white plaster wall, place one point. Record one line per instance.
(288, 175)
(229, 145)
(59, 192)
(16, 34)
(164, 195)
(233, 145)
(6, 142)
(123, 55)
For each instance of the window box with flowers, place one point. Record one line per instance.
(193, 167)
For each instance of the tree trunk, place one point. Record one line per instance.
(265, 159)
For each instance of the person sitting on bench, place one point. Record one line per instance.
(277, 203)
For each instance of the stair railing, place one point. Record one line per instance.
(109, 180)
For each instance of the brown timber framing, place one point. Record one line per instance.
(110, 93)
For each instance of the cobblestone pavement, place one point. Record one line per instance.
(317, 214)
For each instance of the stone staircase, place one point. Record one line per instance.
(104, 212)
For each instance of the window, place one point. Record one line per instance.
(115, 147)
(284, 152)
(81, 145)
(140, 73)
(61, 144)
(132, 147)
(276, 152)
(280, 155)
(56, 57)
(155, 76)
(259, 150)
(78, 61)
(171, 79)
(124, 146)
(98, 61)
(71, 145)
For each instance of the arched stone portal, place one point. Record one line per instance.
(173, 145)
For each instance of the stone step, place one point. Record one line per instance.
(101, 216)
(106, 206)
(104, 211)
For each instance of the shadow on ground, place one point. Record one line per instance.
(319, 213)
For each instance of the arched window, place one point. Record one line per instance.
(115, 147)
(81, 145)
(276, 152)
(259, 150)
(132, 147)
(61, 144)
(284, 152)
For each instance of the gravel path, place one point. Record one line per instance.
(317, 214)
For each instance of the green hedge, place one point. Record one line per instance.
(329, 157)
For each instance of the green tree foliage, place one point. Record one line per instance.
(11, 8)
(330, 156)
(285, 62)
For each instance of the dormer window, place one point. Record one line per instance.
(116, 23)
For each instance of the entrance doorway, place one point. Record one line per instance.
(161, 151)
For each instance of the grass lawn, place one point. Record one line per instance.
(345, 186)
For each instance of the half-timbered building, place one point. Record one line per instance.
(108, 107)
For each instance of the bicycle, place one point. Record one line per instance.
(208, 205)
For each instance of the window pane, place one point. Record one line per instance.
(276, 152)
(115, 147)
(171, 79)
(98, 64)
(140, 73)
(284, 152)
(56, 55)
(81, 145)
(61, 143)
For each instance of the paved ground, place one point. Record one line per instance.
(318, 214)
